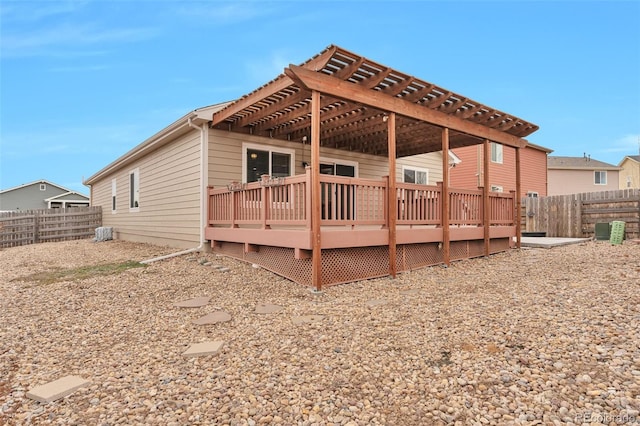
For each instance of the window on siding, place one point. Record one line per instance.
(43, 187)
(113, 196)
(628, 181)
(600, 177)
(496, 152)
(532, 194)
(415, 175)
(267, 161)
(134, 189)
(496, 188)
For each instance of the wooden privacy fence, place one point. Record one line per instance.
(576, 215)
(19, 228)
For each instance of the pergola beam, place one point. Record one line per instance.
(349, 91)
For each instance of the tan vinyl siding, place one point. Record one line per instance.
(169, 212)
(225, 158)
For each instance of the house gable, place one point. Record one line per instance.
(33, 195)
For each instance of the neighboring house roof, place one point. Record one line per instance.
(67, 197)
(37, 182)
(578, 163)
(635, 158)
(180, 126)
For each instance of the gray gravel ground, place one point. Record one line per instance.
(525, 337)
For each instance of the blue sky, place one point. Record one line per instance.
(84, 81)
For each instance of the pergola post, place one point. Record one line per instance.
(486, 208)
(393, 203)
(446, 255)
(316, 207)
(516, 214)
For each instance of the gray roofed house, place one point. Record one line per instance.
(40, 194)
(573, 175)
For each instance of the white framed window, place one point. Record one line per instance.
(628, 181)
(496, 188)
(496, 152)
(258, 160)
(600, 177)
(114, 204)
(415, 175)
(43, 187)
(134, 190)
(532, 194)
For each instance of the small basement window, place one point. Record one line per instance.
(532, 194)
(496, 188)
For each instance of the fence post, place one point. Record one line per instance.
(36, 227)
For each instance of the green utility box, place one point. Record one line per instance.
(603, 231)
(617, 232)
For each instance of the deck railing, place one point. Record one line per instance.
(350, 201)
(418, 204)
(465, 207)
(502, 208)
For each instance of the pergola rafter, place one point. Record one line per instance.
(354, 91)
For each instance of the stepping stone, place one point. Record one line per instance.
(224, 269)
(196, 302)
(306, 319)
(204, 348)
(266, 308)
(411, 291)
(376, 302)
(218, 266)
(213, 318)
(207, 264)
(57, 389)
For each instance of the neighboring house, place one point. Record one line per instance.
(573, 175)
(502, 169)
(630, 172)
(40, 194)
(295, 176)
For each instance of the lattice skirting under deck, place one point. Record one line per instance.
(356, 263)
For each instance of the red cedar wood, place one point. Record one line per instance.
(316, 208)
(445, 197)
(345, 90)
(485, 196)
(393, 204)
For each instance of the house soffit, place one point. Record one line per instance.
(356, 94)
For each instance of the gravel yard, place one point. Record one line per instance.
(531, 336)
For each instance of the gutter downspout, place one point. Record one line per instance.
(204, 162)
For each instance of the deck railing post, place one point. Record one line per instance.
(233, 209)
(264, 211)
(446, 237)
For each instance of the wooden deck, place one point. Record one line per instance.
(269, 223)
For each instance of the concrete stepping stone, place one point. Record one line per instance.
(376, 302)
(196, 302)
(411, 291)
(305, 319)
(204, 348)
(267, 308)
(57, 389)
(213, 318)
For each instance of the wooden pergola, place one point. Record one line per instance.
(342, 100)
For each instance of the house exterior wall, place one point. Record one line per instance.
(533, 168)
(29, 197)
(630, 174)
(574, 181)
(225, 158)
(169, 200)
